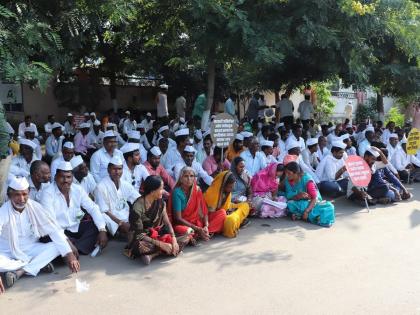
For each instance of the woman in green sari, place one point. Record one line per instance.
(304, 200)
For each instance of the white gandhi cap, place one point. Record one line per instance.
(19, 183)
(156, 151)
(65, 166)
(76, 161)
(116, 160)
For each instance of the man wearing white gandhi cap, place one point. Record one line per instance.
(100, 159)
(133, 171)
(22, 222)
(113, 195)
(21, 164)
(64, 201)
(82, 176)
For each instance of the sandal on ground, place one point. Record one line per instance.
(49, 268)
(10, 278)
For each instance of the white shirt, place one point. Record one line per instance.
(54, 165)
(53, 145)
(129, 125)
(88, 183)
(137, 175)
(145, 142)
(305, 110)
(111, 199)
(19, 166)
(300, 140)
(170, 159)
(162, 105)
(21, 129)
(95, 139)
(322, 153)
(331, 138)
(400, 160)
(147, 124)
(270, 159)
(328, 168)
(363, 146)
(310, 159)
(34, 193)
(25, 234)
(69, 129)
(68, 217)
(37, 150)
(199, 171)
(392, 150)
(99, 163)
(254, 164)
(47, 128)
(385, 136)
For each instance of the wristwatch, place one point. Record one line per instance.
(102, 230)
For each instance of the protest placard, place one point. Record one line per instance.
(223, 130)
(358, 170)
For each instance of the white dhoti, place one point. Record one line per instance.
(40, 255)
(111, 225)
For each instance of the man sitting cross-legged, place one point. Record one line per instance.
(112, 195)
(22, 222)
(66, 202)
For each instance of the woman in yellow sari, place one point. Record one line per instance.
(219, 196)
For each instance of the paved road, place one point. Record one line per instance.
(368, 263)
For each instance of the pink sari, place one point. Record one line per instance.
(263, 185)
(265, 180)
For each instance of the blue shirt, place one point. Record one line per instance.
(230, 107)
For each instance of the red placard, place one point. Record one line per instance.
(358, 170)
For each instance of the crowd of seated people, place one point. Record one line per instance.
(165, 186)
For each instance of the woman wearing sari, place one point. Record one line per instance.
(304, 200)
(188, 209)
(219, 197)
(151, 233)
(242, 188)
(265, 186)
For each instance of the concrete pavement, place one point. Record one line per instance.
(367, 263)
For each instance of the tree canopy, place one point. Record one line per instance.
(227, 45)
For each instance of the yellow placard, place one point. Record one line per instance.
(413, 141)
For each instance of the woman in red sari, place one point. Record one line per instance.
(188, 210)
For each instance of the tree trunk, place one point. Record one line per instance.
(211, 77)
(380, 106)
(113, 92)
(277, 95)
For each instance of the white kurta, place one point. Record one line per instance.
(99, 163)
(111, 199)
(328, 168)
(300, 141)
(34, 193)
(401, 160)
(310, 159)
(69, 216)
(254, 164)
(19, 240)
(136, 176)
(88, 183)
(19, 166)
(170, 159)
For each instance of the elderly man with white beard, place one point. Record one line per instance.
(22, 223)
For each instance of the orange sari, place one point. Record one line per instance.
(194, 213)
